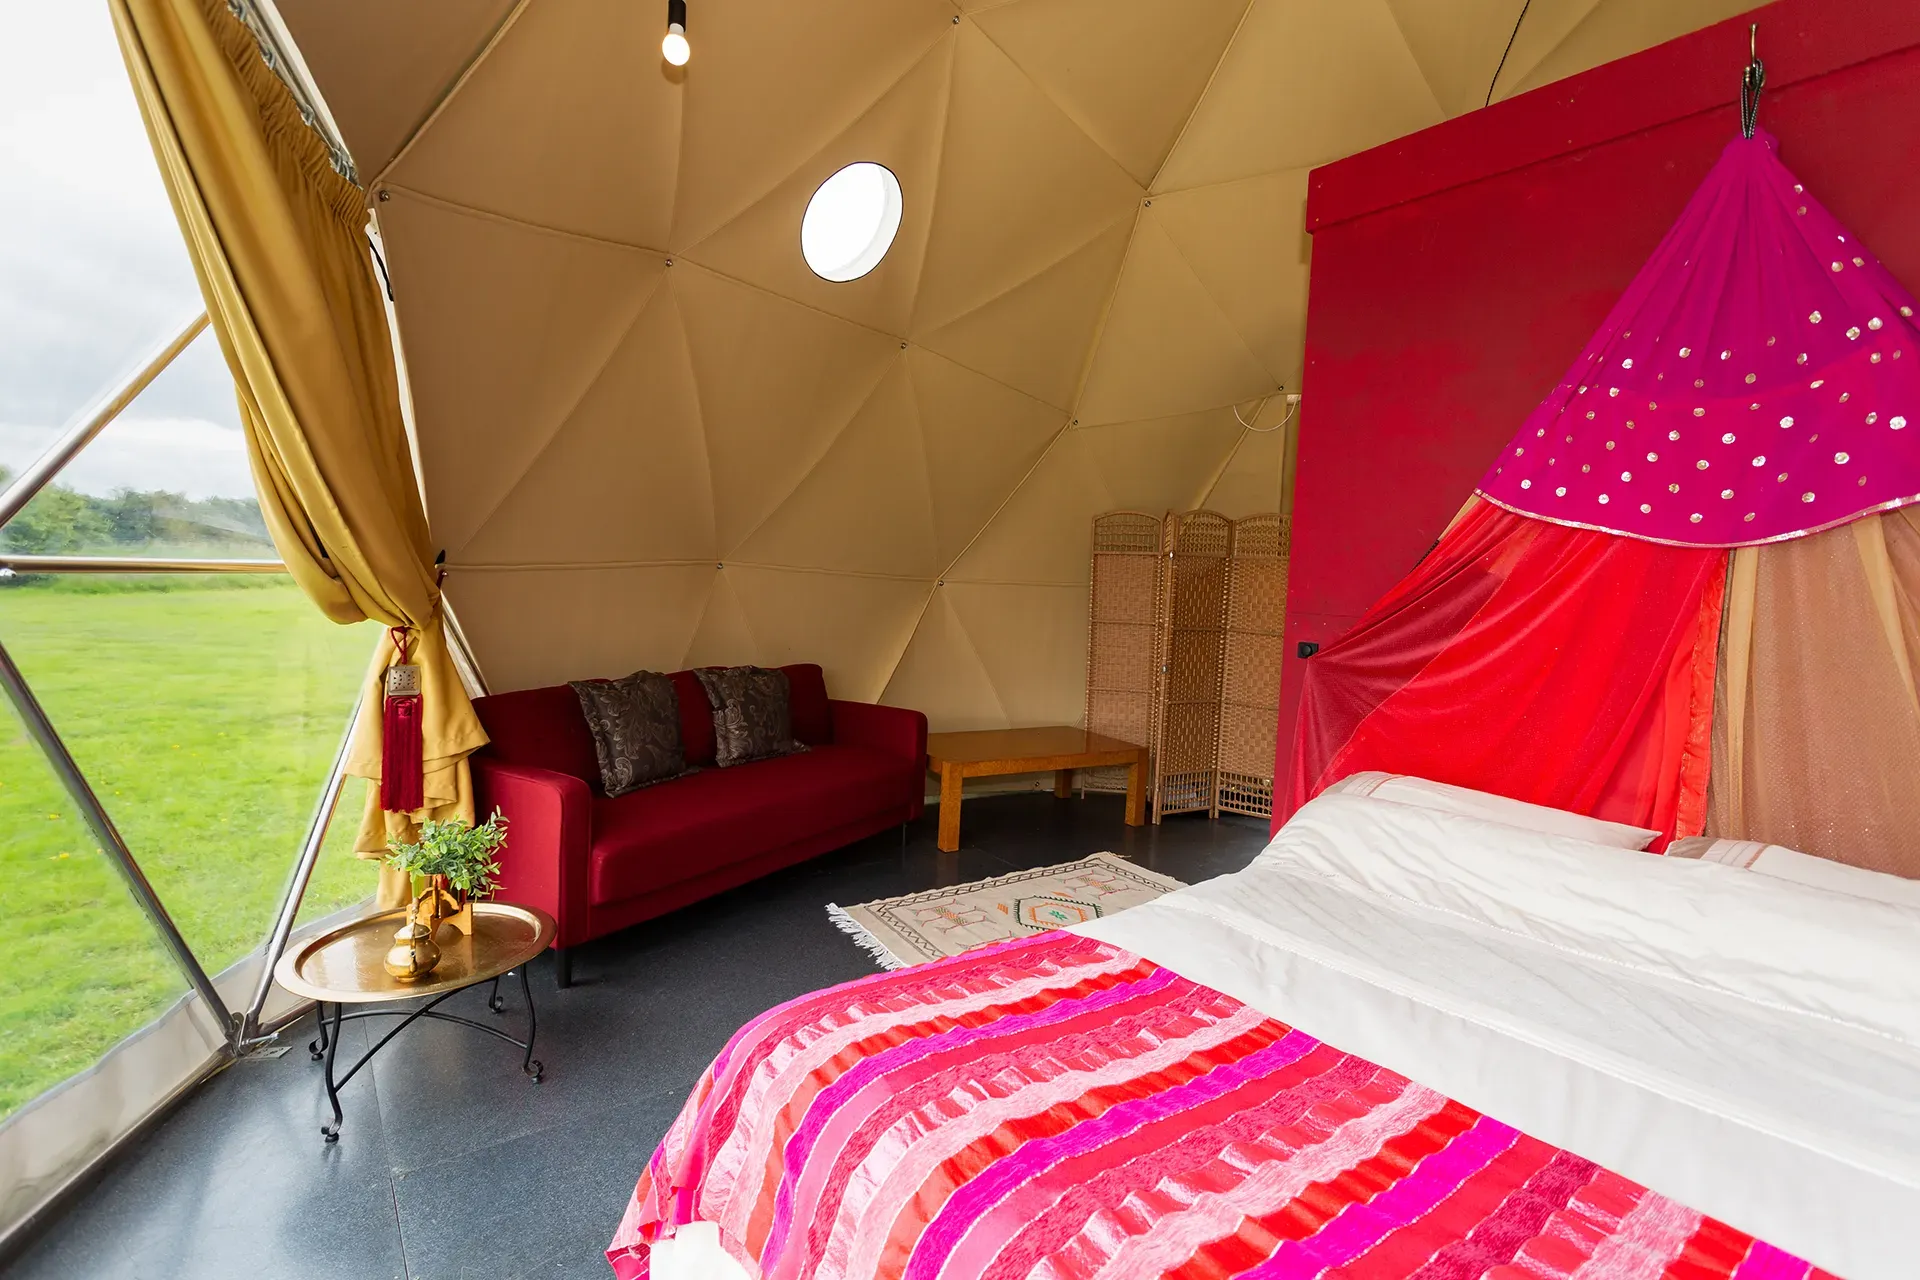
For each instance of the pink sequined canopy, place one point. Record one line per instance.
(1759, 380)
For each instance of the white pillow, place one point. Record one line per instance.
(1783, 863)
(1446, 798)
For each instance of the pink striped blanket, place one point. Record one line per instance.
(1058, 1109)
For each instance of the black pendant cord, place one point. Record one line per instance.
(1511, 36)
(1752, 80)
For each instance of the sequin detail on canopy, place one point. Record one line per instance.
(1755, 382)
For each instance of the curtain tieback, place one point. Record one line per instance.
(402, 772)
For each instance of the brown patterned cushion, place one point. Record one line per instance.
(635, 722)
(752, 713)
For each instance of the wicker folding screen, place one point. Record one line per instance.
(1193, 617)
(1250, 678)
(1183, 655)
(1123, 665)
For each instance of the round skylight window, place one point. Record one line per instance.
(851, 222)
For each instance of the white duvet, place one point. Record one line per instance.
(1742, 1043)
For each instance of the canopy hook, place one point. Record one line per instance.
(1752, 80)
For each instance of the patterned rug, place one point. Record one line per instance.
(945, 922)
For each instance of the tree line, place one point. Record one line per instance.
(64, 521)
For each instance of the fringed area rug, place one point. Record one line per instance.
(945, 922)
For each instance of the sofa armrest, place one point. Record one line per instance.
(549, 832)
(894, 730)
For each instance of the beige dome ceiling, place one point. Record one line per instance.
(652, 437)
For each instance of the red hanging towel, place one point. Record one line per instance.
(402, 770)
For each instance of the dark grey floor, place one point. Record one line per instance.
(452, 1164)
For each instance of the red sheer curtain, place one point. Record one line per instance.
(1561, 666)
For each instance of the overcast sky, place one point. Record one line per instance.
(92, 270)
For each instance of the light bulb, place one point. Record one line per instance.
(674, 48)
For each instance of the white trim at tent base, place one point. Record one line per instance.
(50, 1145)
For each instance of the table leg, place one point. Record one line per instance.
(317, 1047)
(1137, 794)
(332, 1132)
(530, 1064)
(1062, 783)
(950, 785)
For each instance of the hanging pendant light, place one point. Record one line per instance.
(674, 47)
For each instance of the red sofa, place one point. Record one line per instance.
(600, 864)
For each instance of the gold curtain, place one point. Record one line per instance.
(1816, 722)
(278, 241)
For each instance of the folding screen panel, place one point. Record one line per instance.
(1123, 603)
(1256, 610)
(1192, 631)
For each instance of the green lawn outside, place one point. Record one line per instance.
(205, 711)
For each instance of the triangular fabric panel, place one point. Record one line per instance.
(1020, 186)
(1041, 533)
(1450, 43)
(722, 639)
(901, 131)
(1167, 347)
(941, 674)
(1239, 240)
(1361, 86)
(1249, 482)
(980, 438)
(855, 627)
(1756, 381)
(864, 507)
(616, 619)
(1162, 464)
(625, 478)
(498, 357)
(749, 117)
(1032, 641)
(386, 66)
(1128, 72)
(777, 381)
(493, 145)
(1036, 335)
(1612, 29)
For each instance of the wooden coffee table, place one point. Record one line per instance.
(991, 752)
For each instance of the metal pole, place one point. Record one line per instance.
(133, 564)
(463, 660)
(107, 834)
(93, 421)
(249, 1027)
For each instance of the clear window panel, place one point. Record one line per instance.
(206, 711)
(340, 879)
(93, 272)
(168, 478)
(81, 968)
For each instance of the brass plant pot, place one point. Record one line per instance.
(414, 952)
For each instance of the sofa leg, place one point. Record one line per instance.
(563, 967)
(903, 837)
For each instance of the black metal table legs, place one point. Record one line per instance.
(324, 1046)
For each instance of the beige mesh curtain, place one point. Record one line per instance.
(278, 242)
(1816, 725)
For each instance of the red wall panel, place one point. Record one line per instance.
(1457, 272)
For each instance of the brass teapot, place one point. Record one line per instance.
(414, 953)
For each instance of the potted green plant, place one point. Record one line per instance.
(455, 859)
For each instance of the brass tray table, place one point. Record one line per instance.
(343, 966)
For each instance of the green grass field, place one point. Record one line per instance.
(205, 712)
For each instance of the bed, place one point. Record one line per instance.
(1402, 1043)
